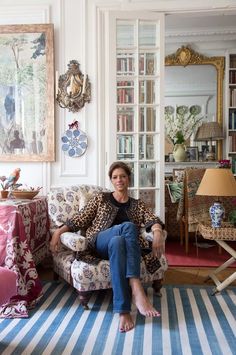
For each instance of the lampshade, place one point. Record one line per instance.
(209, 131)
(217, 182)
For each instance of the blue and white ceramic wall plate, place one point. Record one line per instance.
(74, 142)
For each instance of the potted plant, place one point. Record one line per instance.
(4, 186)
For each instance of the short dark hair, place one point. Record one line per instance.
(119, 165)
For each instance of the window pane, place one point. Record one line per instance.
(125, 92)
(125, 64)
(147, 64)
(148, 196)
(125, 119)
(147, 175)
(124, 34)
(147, 34)
(146, 146)
(147, 119)
(146, 91)
(125, 147)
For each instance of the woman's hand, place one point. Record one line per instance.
(56, 241)
(158, 243)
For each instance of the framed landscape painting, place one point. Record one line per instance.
(26, 93)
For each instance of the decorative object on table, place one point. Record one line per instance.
(25, 192)
(217, 182)
(179, 152)
(192, 153)
(180, 124)
(9, 183)
(224, 164)
(75, 141)
(21, 194)
(73, 88)
(209, 131)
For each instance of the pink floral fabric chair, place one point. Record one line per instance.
(63, 202)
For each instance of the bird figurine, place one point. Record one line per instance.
(13, 177)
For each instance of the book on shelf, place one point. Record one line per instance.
(125, 123)
(232, 77)
(232, 61)
(232, 142)
(150, 65)
(232, 97)
(125, 95)
(125, 65)
(125, 145)
(233, 165)
(232, 119)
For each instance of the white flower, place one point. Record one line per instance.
(181, 123)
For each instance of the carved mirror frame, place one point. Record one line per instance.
(187, 56)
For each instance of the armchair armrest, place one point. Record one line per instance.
(149, 235)
(74, 241)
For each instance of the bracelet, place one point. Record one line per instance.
(157, 229)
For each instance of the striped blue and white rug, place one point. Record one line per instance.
(192, 322)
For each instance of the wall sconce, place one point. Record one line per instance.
(73, 88)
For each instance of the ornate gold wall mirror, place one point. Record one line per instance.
(185, 57)
(74, 88)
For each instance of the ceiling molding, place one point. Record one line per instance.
(204, 32)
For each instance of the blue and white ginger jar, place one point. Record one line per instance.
(217, 213)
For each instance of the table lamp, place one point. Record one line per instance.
(217, 182)
(209, 131)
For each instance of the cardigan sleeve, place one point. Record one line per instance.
(84, 217)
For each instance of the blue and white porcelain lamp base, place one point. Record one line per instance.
(217, 212)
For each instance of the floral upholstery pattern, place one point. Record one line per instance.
(74, 241)
(63, 203)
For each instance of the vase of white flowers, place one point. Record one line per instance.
(179, 152)
(180, 124)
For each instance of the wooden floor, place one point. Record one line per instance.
(173, 276)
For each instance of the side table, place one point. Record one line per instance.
(24, 237)
(221, 235)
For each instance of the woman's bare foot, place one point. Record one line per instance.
(141, 300)
(126, 322)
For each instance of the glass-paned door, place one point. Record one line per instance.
(135, 129)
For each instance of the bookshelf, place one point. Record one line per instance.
(231, 108)
(135, 129)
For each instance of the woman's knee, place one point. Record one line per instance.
(130, 227)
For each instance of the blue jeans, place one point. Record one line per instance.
(119, 244)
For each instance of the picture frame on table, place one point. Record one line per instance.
(205, 150)
(27, 93)
(192, 153)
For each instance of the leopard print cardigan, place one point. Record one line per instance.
(99, 214)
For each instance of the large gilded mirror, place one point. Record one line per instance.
(196, 81)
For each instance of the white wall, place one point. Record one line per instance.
(76, 37)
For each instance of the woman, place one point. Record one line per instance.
(112, 222)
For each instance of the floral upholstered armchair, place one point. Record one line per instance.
(63, 203)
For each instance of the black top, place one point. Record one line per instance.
(121, 214)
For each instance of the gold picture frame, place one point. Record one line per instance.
(185, 56)
(27, 93)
